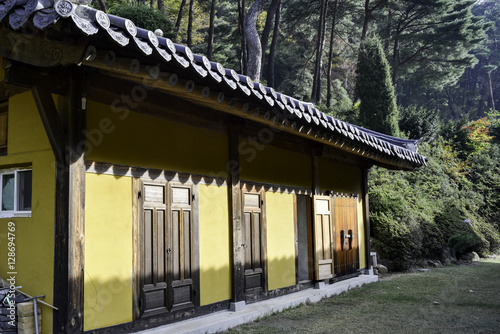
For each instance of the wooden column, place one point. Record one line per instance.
(366, 215)
(235, 211)
(76, 210)
(70, 219)
(315, 154)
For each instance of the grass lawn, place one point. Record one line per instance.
(451, 299)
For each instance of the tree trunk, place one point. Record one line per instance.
(490, 86)
(241, 26)
(366, 20)
(179, 16)
(272, 51)
(271, 13)
(161, 6)
(190, 24)
(330, 57)
(320, 45)
(102, 5)
(451, 104)
(368, 15)
(254, 49)
(211, 31)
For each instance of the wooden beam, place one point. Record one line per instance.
(51, 121)
(235, 211)
(51, 79)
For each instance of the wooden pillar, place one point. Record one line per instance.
(76, 211)
(70, 219)
(315, 154)
(235, 208)
(366, 215)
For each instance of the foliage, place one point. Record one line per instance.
(478, 135)
(463, 242)
(145, 17)
(419, 123)
(378, 110)
(454, 201)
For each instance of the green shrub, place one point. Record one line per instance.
(463, 242)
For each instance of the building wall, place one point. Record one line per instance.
(340, 178)
(269, 164)
(28, 145)
(280, 240)
(128, 138)
(108, 251)
(215, 244)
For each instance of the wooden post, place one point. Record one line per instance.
(315, 153)
(235, 208)
(366, 216)
(76, 211)
(70, 219)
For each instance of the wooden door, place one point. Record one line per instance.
(323, 238)
(253, 242)
(154, 246)
(169, 249)
(183, 260)
(305, 258)
(346, 235)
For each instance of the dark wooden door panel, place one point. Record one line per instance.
(168, 249)
(182, 285)
(254, 256)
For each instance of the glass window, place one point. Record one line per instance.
(15, 192)
(8, 192)
(24, 191)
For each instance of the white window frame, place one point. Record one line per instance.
(13, 213)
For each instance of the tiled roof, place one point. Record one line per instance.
(300, 117)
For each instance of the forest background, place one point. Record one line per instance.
(418, 69)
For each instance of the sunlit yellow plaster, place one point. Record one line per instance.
(269, 164)
(108, 251)
(34, 236)
(26, 132)
(361, 234)
(339, 178)
(215, 244)
(129, 138)
(280, 240)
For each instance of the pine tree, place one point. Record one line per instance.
(374, 87)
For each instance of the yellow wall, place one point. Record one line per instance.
(108, 251)
(268, 164)
(339, 178)
(280, 240)
(361, 234)
(215, 244)
(129, 138)
(28, 145)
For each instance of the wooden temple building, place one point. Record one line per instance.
(149, 185)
